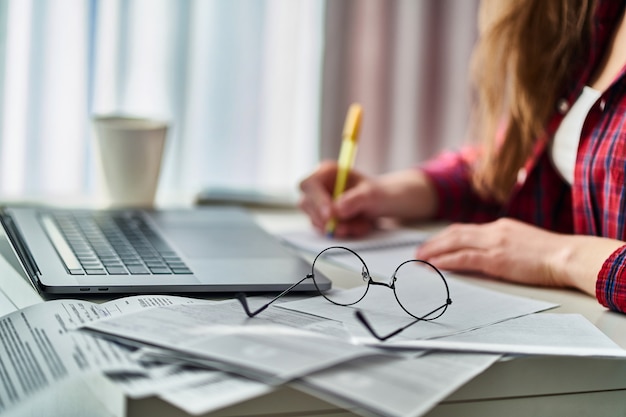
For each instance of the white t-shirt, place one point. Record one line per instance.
(564, 146)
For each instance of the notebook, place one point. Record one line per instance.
(310, 241)
(208, 249)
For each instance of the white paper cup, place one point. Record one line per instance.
(130, 151)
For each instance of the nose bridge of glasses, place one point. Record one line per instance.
(381, 283)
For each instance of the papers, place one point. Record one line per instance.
(397, 387)
(536, 334)
(273, 347)
(39, 347)
(39, 350)
(311, 241)
(222, 391)
(6, 305)
(220, 337)
(203, 342)
(87, 394)
(193, 389)
(15, 285)
(472, 307)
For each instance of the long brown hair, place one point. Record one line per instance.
(523, 57)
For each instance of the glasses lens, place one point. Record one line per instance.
(421, 290)
(346, 270)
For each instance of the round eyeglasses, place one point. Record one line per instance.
(419, 287)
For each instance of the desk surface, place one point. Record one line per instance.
(523, 386)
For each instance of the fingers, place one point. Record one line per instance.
(353, 228)
(454, 238)
(350, 210)
(317, 206)
(469, 260)
(505, 248)
(355, 209)
(469, 247)
(358, 200)
(316, 199)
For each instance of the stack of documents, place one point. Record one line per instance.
(204, 355)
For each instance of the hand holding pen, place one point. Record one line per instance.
(335, 197)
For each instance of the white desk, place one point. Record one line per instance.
(531, 386)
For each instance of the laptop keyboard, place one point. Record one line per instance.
(110, 244)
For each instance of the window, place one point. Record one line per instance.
(238, 81)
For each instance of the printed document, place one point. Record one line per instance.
(274, 347)
(6, 305)
(393, 387)
(313, 242)
(212, 394)
(39, 347)
(472, 307)
(535, 334)
(193, 389)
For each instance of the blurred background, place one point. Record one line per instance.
(255, 91)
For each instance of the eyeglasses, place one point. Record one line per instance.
(419, 287)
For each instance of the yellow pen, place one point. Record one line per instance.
(350, 137)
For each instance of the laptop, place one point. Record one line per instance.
(200, 250)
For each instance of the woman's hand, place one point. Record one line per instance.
(355, 210)
(402, 195)
(518, 252)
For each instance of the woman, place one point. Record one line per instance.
(541, 199)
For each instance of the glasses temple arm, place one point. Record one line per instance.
(361, 317)
(244, 301)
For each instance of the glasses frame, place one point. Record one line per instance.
(367, 279)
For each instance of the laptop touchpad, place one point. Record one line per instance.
(230, 241)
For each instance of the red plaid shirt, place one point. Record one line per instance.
(596, 202)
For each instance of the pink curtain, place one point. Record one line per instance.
(406, 62)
